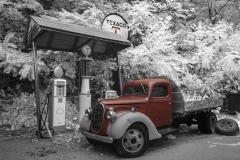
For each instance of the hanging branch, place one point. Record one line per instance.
(211, 8)
(222, 7)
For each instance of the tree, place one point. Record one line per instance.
(188, 55)
(214, 11)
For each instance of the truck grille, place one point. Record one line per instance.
(97, 117)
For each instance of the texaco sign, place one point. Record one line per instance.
(115, 23)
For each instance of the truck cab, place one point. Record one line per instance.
(158, 96)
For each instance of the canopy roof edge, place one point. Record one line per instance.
(56, 35)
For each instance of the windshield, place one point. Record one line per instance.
(141, 90)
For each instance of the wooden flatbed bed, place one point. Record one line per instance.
(183, 107)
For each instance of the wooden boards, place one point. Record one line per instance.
(191, 106)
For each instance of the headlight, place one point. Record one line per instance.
(88, 112)
(111, 114)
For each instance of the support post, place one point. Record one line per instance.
(80, 78)
(117, 77)
(119, 73)
(37, 89)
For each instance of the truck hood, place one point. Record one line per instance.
(125, 100)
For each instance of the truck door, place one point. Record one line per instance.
(160, 105)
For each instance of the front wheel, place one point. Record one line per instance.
(133, 143)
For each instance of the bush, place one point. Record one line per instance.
(20, 112)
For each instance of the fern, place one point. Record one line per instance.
(8, 54)
(14, 60)
(230, 43)
(92, 17)
(29, 4)
(230, 64)
(189, 57)
(102, 73)
(25, 71)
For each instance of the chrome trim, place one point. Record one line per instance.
(97, 137)
(102, 118)
(111, 115)
(88, 113)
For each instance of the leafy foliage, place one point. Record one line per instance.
(67, 61)
(20, 112)
(188, 55)
(13, 16)
(101, 71)
(9, 52)
(59, 4)
(91, 17)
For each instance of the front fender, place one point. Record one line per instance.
(85, 123)
(117, 128)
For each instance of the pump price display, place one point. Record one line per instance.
(60, 100)
(86, 50)
(60, 91)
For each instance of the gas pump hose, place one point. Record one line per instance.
(44, 120)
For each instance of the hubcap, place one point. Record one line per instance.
(132, 140)
(226, 125)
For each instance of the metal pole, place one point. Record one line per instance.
(119, 73)
(80, 81)
(37, 88)
(80, 77)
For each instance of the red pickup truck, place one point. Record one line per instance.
(146, 110)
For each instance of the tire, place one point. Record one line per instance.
(210, 123)
(133, 143)
(94, 142)
(201, 122)
(227, 127)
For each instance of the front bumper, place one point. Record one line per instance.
(97, 137)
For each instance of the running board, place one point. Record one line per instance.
(166, 131)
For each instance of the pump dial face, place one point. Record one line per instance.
(86, 50)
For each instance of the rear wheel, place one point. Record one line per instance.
(210, 123)
(201, 122)
(227, 127)
(134, 142)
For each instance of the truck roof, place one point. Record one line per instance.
(157, 79)
(148, 80)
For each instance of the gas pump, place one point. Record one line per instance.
(107, 94)
(85, 95)
(57, 101)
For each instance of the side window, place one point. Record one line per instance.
(160, 91)
(140, 90)
(128, 90)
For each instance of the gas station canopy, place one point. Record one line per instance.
(60, 36)
(55, 35)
